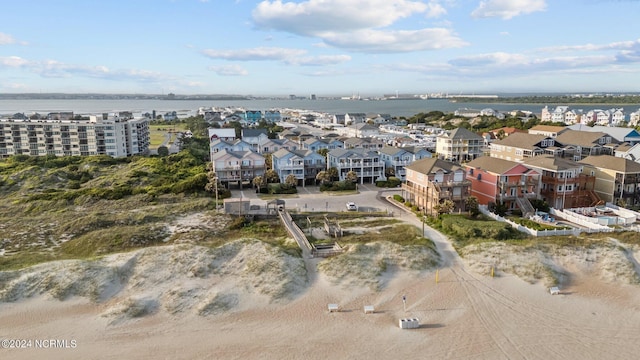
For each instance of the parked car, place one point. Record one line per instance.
(351, 206)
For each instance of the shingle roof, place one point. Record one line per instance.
(549, 128)
(521, 140)
(431, 165)
(462, 133)
(552, 163)
(491, 164)
(581, 138)
(618, 164)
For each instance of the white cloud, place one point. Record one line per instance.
(56, 69)
(316, 16)
(319, 60)
(435, 10)
(507, 9)
(620, 45)
(358, 25)
(374, 41)
(287, 56)
(260, 53)
(6, 39)
(229, 70)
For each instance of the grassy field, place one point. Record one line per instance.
(158, 133)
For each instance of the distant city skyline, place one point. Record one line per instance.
(321, 47)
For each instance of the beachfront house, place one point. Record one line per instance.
(459, 145)
(565, 183)
(500, 181)
(303, 164)
(520, 146)
(237, 167)
(364, 162)
(617, 179)
(430, 181)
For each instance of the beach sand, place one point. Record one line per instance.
(463, 316)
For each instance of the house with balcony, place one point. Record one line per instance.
(363, 143)
(580, 144)
(222, 134)
(520, 146)
(395, 159)
(430, 181)
(502, 181)
(618, 134)
(459, 145)
(254, 137)
(272, 116)
(551, 131)
(303, 164)
(252, 116)
(235, 145)
(361, 130)
(316, 144)
(364, 162)
(565, 183)
(617, 179)
(269, 146)
(355, 118)
(237, 167)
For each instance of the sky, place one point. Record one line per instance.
(322, 47)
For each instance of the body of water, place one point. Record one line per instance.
(405, 108)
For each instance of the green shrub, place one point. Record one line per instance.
(398, 198)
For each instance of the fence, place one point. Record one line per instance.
(538, 233)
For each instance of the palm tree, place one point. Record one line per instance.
(445, 207)
(271, 176)
(291, 180)
(333, 173)
(323, 177)
(351, 176)
(257, 181)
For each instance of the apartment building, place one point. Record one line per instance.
(459, 145)
(565, 183)
(502, 182)
(617, 179)
(430, 181)
(106, 134)
(365, 163)
(520, 146)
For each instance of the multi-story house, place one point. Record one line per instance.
(618, 134)
(618, 117)
(355, 118)
(519, 146)
(269, 146)
(579, 144)
(501, 181)
(396, 159)
(634, 118)
(430, 181)
(252, 116)
(303, 164)
(218, 145)
(617, 179)
(365, 163)
(101, 135)
(222, 134)
(565, 183)
(361, 130)
(547, 130)
(237, 167)
(254, 137)
(459, 145)
(272, 116)
(363, 143)
(316, 144)
(338, 119)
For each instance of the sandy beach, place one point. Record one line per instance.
(463, 316)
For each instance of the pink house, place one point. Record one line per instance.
(497, 181)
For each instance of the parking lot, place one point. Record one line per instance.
(310, 198)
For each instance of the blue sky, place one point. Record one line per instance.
(323, 47)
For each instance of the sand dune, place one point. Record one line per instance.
(250, 300)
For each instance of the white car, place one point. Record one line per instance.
(351, 206)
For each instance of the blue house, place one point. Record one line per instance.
(303, 164)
